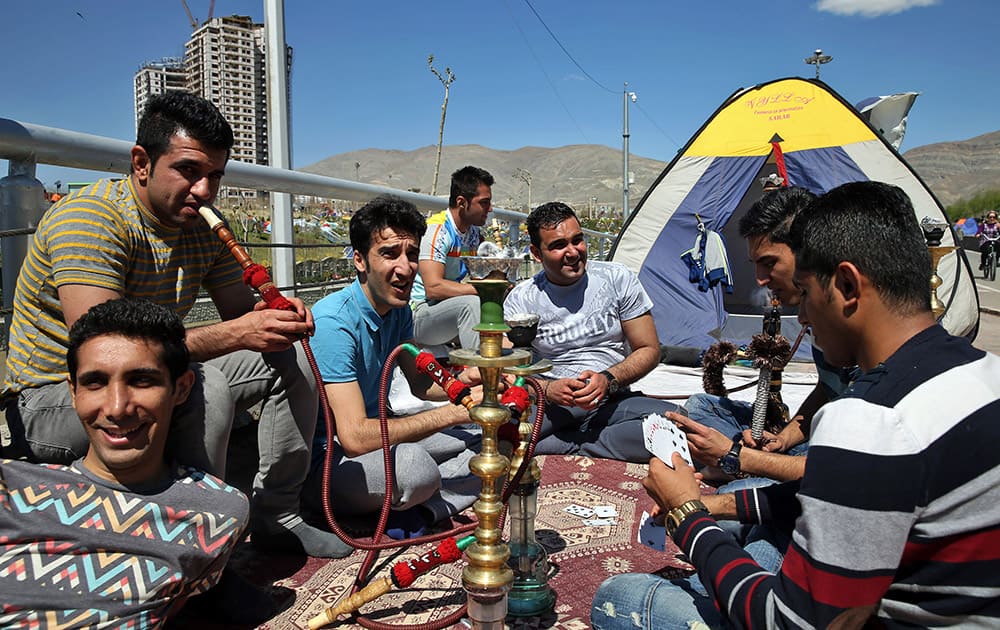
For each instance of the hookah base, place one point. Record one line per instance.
(530, 600)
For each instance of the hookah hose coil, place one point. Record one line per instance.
(257, 277)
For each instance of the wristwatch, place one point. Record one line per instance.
(730, 462)
(613, 385)
(677, 515)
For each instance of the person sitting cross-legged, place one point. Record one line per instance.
(596, 327)
(356, 330)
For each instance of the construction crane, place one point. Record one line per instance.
(194, 22)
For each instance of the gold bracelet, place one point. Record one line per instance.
(677, 515)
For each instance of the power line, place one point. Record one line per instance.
(650, 119)
(545, 74)
(558, 43)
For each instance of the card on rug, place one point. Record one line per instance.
(605, 511)
(599, 522)
(579, 510)
(651, 534)
(663, 438)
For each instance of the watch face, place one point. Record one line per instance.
(729, 464)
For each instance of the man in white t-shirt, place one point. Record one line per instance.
(596, 328)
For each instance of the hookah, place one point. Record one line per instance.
(487, 578)
(770, 352)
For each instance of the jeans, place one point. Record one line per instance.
(727, 416)
(633, 601)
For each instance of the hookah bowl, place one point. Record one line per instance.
(523, 329)
(933, 233)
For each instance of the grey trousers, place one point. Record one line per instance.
(436, 324)
(433, 472)
(45, 427)
(611, 431)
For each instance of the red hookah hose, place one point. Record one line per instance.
(377, 544)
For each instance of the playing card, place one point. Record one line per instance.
(605, 511)
(579, 510)
(599, 522)
(664, 438)
(651, 534)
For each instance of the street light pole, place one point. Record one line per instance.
(818, 59)
(626, 95)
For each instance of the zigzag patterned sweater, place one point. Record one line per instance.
(77, 551)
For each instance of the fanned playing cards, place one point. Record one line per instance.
(663, 438)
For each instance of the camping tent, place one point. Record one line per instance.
(803, 131)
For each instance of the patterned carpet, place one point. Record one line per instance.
(581, 556)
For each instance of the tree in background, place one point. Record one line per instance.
(446, 81)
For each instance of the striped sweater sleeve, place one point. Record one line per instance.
(856, 514)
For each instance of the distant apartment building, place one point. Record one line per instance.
(224, 61)
(156, 77)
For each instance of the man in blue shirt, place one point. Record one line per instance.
(356, 330)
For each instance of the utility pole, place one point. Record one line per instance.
(626, 96)
(446, 81)
(525, 176)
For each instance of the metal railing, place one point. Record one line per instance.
(22, 200)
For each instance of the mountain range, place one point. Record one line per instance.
(586, 175)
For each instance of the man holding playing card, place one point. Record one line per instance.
(718, 427)
(890, 527)
(596, 328)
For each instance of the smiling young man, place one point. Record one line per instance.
(596, 328)
(356, 330)
(142, 236)
(151, 533)
(889, 527)
(444, 307)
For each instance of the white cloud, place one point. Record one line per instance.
(870, 8)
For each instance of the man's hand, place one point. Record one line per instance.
(706, 444)
(270, 330)
(470, 376)
(769, 442)
(593, 392)
(671, 487)
(562, 391)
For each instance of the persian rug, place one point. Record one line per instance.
(581, 557)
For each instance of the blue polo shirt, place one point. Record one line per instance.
(352, 341)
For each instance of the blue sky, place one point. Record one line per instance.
(360, 77)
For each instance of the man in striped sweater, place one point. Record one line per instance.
(897, 519)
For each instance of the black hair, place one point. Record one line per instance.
(384, 211)
(873, 226)
(773, 213)
(133, 319)
(176, 112)
(547, 215)
(465, 183)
